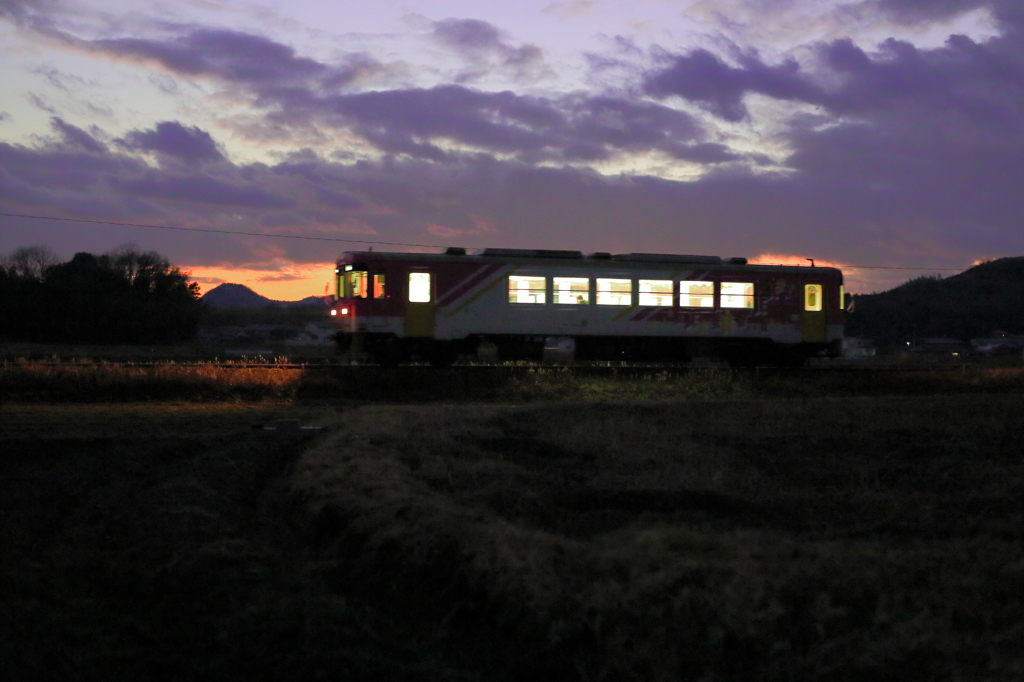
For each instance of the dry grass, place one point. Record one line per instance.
(743, 540)
(157, 420)
(36, 381)
(712, 526)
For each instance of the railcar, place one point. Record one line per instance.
(533, 304)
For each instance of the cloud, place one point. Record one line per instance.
(189, 145)
(76, 137)
(203, 189)
(981, 82)
(483, 45)
(32, 13)
(40, 103)
(916, 11)
(429, 123)
(286, 277)
(703, 77)
(572, 9)
(230, 55)
(302, 96)
(251, 61)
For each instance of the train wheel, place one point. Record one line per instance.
(442, 355)
(791, 361)
(741, 358)
(387, 354)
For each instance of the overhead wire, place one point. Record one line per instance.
(278, 235)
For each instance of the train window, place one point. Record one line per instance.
(655, 292)
(571, 290)
(357, 283)
(378, 286)
(527, 289)
(614, 291)
(694, 294)
(737, 295)
(419, 287)
(812, 297)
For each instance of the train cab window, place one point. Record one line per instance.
(614, 291)
(419, 287)
(378, 285)
(571, 290)
(695, 294)
(655, 292)
(736, 295)
(812, 297)
(357, 284)
(527, 289)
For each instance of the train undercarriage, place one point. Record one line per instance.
(391, 350)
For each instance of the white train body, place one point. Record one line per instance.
(512, 303)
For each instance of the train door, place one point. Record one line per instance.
(420, 305)
(812, 327)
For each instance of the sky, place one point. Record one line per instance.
(882, 136)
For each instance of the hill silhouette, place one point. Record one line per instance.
(972, 304)
(229, 295)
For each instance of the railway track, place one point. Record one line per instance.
(579, 369)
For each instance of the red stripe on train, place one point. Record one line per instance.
(478, 275)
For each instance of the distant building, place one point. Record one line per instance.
(313, 335)
(855, 348)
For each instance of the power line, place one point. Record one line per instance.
(215, 231)
(278, 235)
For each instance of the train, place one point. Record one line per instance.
(500, 304)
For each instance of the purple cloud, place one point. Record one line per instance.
(468, 35)
(230, 55)
(203, 189)
(187, 144)
(479, 42)
(76, 137)
(983, 83)
(300, 93)
(915, 11)
(417, 121)
(703, 77)
(27, 12)
(252, 61)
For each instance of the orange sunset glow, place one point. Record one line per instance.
(857, 279)
(289, 283)
(294, 282)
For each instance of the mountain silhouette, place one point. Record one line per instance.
(229, 295)
(971, 304)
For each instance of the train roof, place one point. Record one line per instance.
(539, 256)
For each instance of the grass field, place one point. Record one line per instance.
(707, 527)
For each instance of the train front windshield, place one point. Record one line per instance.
(356, 284)
(353, 282)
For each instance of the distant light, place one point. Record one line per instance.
(333, 312)
(344, 311)
(347, 268)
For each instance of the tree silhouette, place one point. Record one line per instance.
(125, 296)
